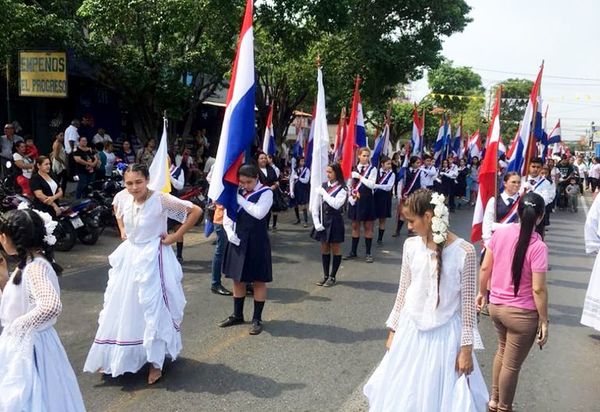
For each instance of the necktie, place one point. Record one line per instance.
(510, 201)
(532, 182)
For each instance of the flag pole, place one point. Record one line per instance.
(496, 173)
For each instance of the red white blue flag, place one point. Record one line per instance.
(237, 132)
(416, 139)
(268, 144)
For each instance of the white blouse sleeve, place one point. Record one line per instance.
(405, 279)
(306, 177)
(592, 227)
(469, 333)
(175, 208)
(370, 180)
(336, 201)
(118, 204)
(489, 217)
(42, 297)
(259, 209)
(389, 185)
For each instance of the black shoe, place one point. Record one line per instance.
(369, 259)
(231, 321)
(220, 290)
(256, 327)
(350, 256)
(297, 222)
(395, 234)
(249, 290)
(330, 282)
(322, 282)
(180, 259)
(274, 229)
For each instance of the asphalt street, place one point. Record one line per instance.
(320, 344)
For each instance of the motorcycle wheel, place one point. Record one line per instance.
(89, 237)
(65, 236)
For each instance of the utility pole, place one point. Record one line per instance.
(8, 114)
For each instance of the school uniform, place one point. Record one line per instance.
(383, 194)
(496, 214)
(331, 216)
(251, 260)
(302, 186)
(412, 181)
(428, 175)
(362, 209)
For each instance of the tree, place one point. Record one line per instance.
(515, 95)
(161, 54)
(387, 43)
(446, 79)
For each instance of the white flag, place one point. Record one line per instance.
(320, 151)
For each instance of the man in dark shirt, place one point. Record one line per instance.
(565, 171)
(86, 161)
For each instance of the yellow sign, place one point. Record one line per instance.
(42, 74)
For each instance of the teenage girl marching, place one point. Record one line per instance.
(362, 203)
(302, 191)
(410, 184)
(383, 195)
(247, 256)
(329, 222)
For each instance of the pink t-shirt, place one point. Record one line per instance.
(502, 244)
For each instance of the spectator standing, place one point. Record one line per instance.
(111, 159)
(146, 154)
(101, 137)
(8, 140)
(86, 161)
(126, 154)
(58, 159)
(71, 137)
(31, 150)
(573, 191)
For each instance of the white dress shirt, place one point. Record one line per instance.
(71, 135)
(428, 175)
(543, 188)
(489, 224)
(257, 210)
(335, 202)
(390, 183)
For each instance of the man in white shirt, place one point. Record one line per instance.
(101, 137)
(534, 182)
(8, 140)
(71, 136)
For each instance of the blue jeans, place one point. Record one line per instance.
(217, 262)
(84, 180)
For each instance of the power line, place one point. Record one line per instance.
(534, 74)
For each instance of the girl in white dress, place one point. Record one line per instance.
(591, 306)
(35, 373)
(430, 366)
(144, 301)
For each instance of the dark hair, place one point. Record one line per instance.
(508, 175)
(138, 168)
(17, 144)
(413, 159)
(536, 160)
(531, 208)
(248, 170)
(418, 203)
(427, 157)
(26, 230)
(339, 174)
(474, 159)
(383, 159)
(40, 161)
(82, 137)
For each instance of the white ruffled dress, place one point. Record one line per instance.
(144, 301)
(35, 373)
(418, 373)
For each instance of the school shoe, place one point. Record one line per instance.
(350, 256)
(395, 234)
(305, 225)
(256, 327)
(231, 321)
(322, 282)
(369, 259)
(380, 243)
(330, 282)
(220, 290)
(297, 222)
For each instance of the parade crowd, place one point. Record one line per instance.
(434, 318)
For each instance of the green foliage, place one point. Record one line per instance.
(146, 49)
(515, 94)
(459, 81)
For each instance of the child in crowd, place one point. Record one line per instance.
(573, 193)
(31, 151)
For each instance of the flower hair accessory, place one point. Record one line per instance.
(49, 224)
(528, 203)
(439, 222)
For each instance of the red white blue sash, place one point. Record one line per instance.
(511, 215)
(364, 173)
(408, 188)
(385, 178)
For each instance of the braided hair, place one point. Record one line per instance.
(26, 230)
(417, 204)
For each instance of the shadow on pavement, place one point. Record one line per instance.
(568, 283)
(328, 333)
(286, 295)
(568, 315)
(569, 269)
(384, 287)
(189, 375)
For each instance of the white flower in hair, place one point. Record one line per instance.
(49, 224)
(439, 222)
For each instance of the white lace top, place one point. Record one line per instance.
(148, 221)
(33, 304)
(418, 292)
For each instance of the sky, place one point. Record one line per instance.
(510, 38)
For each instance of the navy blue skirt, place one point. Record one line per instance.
(334, 229)
(301, 193)
(364, 208)
(383, 204)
